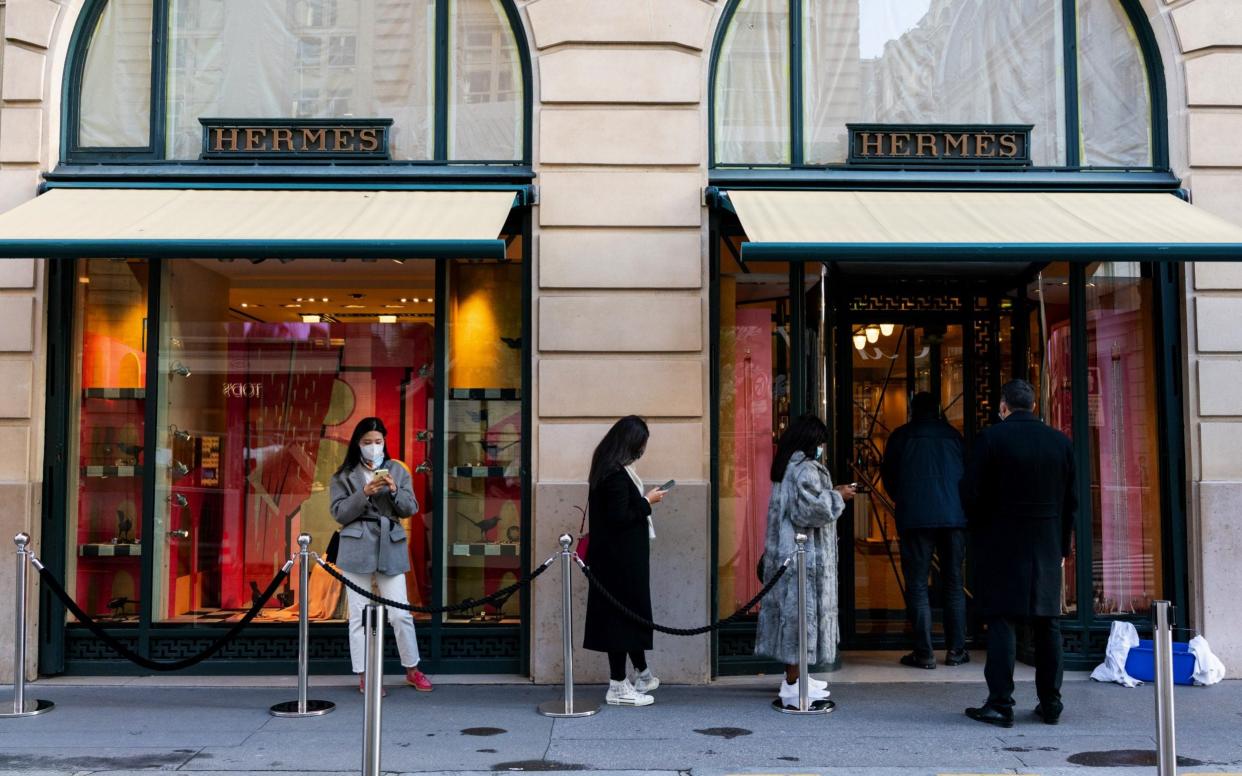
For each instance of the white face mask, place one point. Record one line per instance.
(373, 454)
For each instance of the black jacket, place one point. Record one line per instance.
(922, 472)
(1022, 501)
(619, 555)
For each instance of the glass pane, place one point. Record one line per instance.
(752, 86)
(116, 80)
(1049, 300)
(265, 370)
(482, 481)
(485, 83)
(918, 61)
(754, 410)
(1125, 455)
(110, 382)
(302, 59)
(1114, 104)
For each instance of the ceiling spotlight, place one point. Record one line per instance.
(886, 329)
(323, 299)
(179, 368)
(178, 469)
(404, 299)
(860, 341)
(176, 499)
(180, 435)
(290, 305)
(873, 333)
(243, 304)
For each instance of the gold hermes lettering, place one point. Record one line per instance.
(1009, 144)
(985, 144)
(217, 138)
(342, 138)
(955, 143)
(282, 137)
(871, 147)
(254, 139)
(926, 145)
(368, 140)
(899, 143)
(314, 139)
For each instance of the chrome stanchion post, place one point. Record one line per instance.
(21, 706)
(303, 707)
(568, 706)
(1162, 642)
(373, 626)
(805, 706)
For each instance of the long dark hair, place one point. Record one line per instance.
(803, 436)
(624, 444)
(353, 456)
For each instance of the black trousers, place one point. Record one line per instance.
(616, 663)
(1002, 652)
(917, 548)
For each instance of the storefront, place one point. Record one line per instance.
(228, 297)
(912, 209)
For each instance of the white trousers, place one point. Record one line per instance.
(387, 586)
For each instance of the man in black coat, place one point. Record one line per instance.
(1021, 499)
(922, 473)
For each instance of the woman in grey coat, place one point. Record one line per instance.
(370, 494)
(803, 501)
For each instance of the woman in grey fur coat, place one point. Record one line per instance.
(803, 501)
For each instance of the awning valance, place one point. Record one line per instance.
(223, 223)
(979, 226)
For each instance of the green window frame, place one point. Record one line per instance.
(1069, 23)
(156, 150)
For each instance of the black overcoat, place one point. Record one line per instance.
(1021, 498)
(619, 555)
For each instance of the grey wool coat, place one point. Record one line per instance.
(372, 547)
(802, 502)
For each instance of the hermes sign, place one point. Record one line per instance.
(940, 144)
(295, 139)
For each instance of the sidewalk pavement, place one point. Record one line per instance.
(881, 728)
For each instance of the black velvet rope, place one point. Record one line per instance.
(466, 605)
(715, 624)
(155, 665)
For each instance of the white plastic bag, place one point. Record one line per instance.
(1208, 668)
(1121, 638)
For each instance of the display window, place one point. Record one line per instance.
(260, 372)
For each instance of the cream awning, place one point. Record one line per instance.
(210, 223)
(979, 226)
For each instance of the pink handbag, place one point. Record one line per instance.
(584, 538)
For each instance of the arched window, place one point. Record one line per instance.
(1073, 69)
(451, 74)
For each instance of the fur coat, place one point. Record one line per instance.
(802, 502)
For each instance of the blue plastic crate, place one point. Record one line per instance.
(1141, 662)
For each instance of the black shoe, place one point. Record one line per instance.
(955, 657)
(914, 661)
(991, 716)
(1049, 717)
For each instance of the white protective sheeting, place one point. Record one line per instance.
(1114, 105)
(752, 86)
(219, 215)
(1121, 639)
(116, 81)
(928, 218)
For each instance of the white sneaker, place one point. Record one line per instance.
(624, 694)
(789, 693)
(816, 684)
(645, 681)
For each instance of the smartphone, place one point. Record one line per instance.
(669, 485)
(860, 487)
(381, 473)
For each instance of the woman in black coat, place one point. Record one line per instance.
(619, 556)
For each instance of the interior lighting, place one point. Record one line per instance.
(243, 304)
(860, 341)
(872, 333)
(311, 318)
(84, 279)
(179, 368)
(388, 319)
(886, 329)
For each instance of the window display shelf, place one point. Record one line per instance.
(104, 472)
(488, 549)
(114, 393)
(109, 550)
(483, 394)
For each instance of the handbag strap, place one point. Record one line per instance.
(582, 526)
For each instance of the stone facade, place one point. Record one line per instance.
(621, 284)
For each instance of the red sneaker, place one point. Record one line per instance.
(418, 680)
(362, 686)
